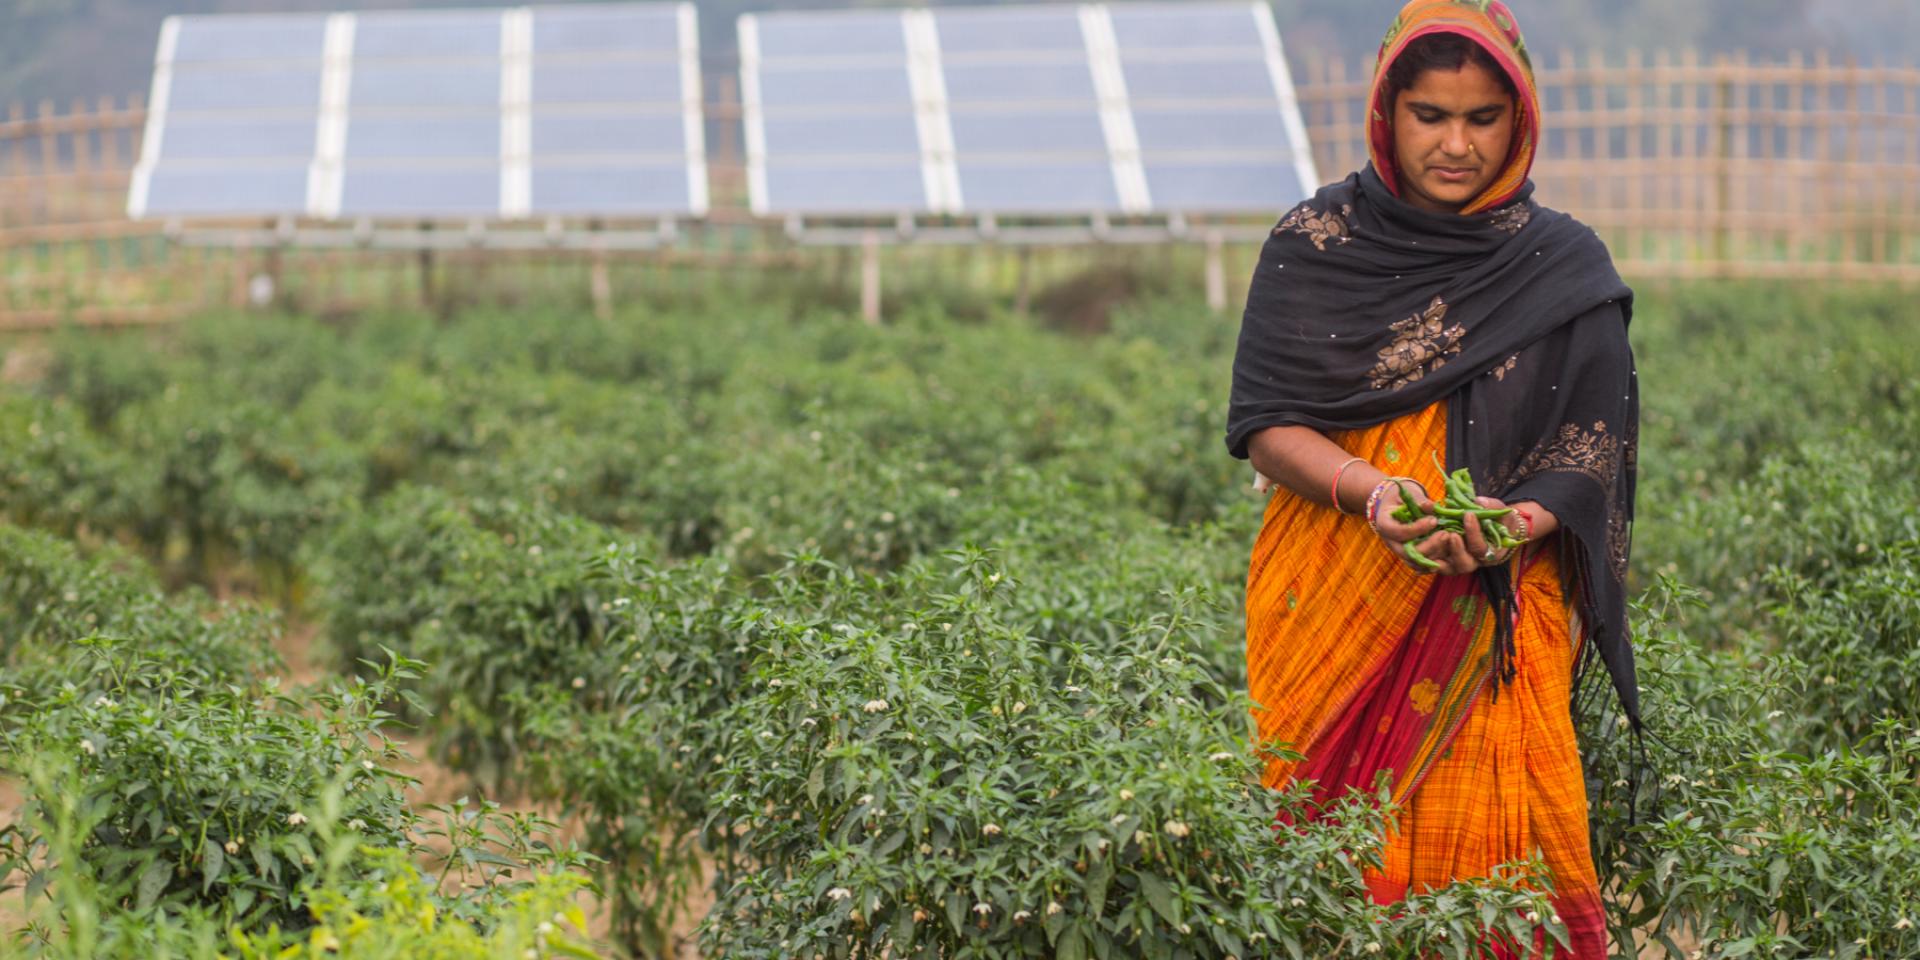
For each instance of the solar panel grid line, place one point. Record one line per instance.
(1275, 51)
(516, 118)
(753, 118)
(693, 120)
(326, 175)
(938, 170)
(141, 183)
(1116, 116)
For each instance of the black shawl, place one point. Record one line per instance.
(1364, 308)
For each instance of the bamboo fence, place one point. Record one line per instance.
(1687, 166)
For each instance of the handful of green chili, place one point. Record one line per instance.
(1458, 508)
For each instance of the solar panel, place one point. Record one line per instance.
(1008, 110)
(590, 109)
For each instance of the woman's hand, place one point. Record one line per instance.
(1476, 544)
(1452, 553)
(1396, 535)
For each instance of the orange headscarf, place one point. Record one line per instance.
(1491, 25)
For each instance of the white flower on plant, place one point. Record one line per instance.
(1186, 928)
(865, 799)
(1053, 907)
(1072, 689)
(808, 722)
(545, 928)
(874, 706)
(1533, 916)
(1140, 837)
(1373, 947)
(1296, 901)
(926, 849)
(1222, 755)
(839, 893)
(1020, 916)
(366, 765)
(102, 701)
(1555, 919)
(356, 824)
(579, 683)
(233, 846)
(86, 747)
(983, 908)
(296, 818)
(1175, 828)
(991, 830)
(1126, 794)
(1119, 818)
(1902, 923)
(776, 681)
(1019, 706)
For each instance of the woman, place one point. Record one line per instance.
(1427, 308)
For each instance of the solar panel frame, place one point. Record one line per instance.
(1173, 90)
(383, 96)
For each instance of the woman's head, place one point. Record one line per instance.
(1454, 112)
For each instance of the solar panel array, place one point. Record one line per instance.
(1055, 109)
(555, 110)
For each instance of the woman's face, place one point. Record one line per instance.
(1451, 130)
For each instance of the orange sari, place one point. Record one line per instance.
(1361, 664)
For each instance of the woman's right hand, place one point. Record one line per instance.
(1446, 549)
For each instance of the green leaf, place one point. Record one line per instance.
(1072, 945)
(153, 880)
(1099, 875)
(1160, 896)
(1776, 875)
(213, 863)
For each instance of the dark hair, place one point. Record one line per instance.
(1441, 51)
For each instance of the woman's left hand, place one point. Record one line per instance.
(1476, 552)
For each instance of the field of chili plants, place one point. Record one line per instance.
(764, 633)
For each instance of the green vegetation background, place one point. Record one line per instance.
(919, 631)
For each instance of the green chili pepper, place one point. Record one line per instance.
(1407, 501)
(1420, 559)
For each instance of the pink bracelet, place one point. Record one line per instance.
(1334, 496)
(1373, 499)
